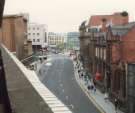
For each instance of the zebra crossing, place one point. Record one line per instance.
(53, 102)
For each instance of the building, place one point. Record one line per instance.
(55, 39)
(73, 40)
(92, 41)
(122, 63)
(113, 19)
(106, 49)
(37, 33)
(14, 35)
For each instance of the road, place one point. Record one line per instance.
(58, 76)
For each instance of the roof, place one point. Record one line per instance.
(116, 18)
(12, 16)
(15, 16)
(121, 30)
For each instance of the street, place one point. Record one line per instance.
(58, 76)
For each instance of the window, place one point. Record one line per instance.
(37, 28)
(33, 33)
(33, 28)
(96, 52)
(33, 40)
(29, 33)
(37, 33)
(104, 54)
(38, 40)
(45, 39)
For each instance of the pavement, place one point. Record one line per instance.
(97, 98)
(58, 76)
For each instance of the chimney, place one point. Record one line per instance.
(104, 23)
(121, 18)
(125, 17)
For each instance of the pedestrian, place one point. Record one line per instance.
(88, 87)
(82, 75)
(94, 89)
(76, 64)
(116, 104)
(106, 97)
(78, 71)
(94, 82)
(91, 87)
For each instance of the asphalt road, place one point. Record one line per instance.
(58, 76)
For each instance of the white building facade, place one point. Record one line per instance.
(37, 33)
(55, 39)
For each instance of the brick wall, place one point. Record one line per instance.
(13, 34)
(128, 46)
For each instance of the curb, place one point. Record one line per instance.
(88, 95)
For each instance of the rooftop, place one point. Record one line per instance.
(122, 29)
(116, 18)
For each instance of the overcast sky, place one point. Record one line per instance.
(67, 15)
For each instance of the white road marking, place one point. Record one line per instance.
(48, 64)
(63, 90)
(67, 98)
(41, 89)
(72, 106)
(61, 85)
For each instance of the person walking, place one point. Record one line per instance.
(106, 97)
(88, 87)
(94, 89)
(116, 104)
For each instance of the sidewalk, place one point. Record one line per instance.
(97, 98)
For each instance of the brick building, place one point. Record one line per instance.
(14, 35)
(93, 44)
(113, 19)
(109, 44)
(122, 54)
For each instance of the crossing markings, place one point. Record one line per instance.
(53, 102)
(41, 89)
(63, 90)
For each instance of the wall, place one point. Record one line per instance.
(8, 38)
(128, 45)
(14, 29)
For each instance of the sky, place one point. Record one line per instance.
(67, 15)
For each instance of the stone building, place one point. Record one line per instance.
(14, 35)
(37, 33)
(55, 39)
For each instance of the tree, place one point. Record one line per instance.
(61, 46)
